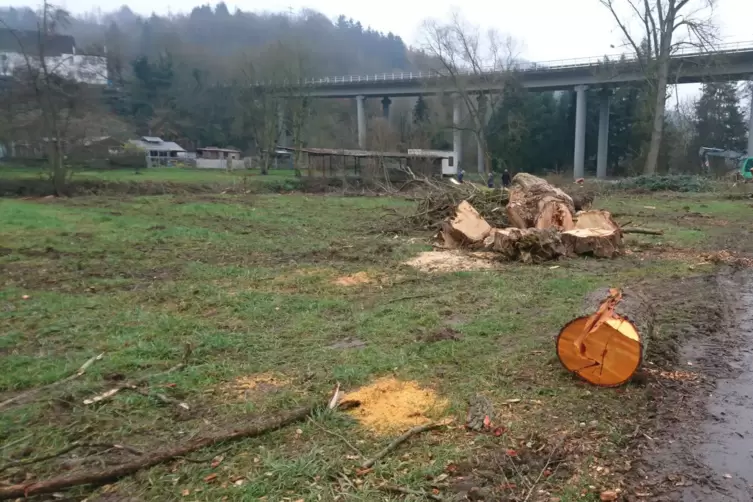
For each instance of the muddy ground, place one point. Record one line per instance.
(701, 446)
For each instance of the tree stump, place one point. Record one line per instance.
(606, 346)
(534, 203)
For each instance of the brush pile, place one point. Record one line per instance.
(440, 203)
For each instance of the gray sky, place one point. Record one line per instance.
(546, 29)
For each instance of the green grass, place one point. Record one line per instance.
(248, 281)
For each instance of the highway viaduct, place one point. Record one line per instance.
(731, 62)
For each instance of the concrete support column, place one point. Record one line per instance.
(480, 151)
(457, 136)
(750, 123)
(361, 122)
(579, 156)
(281, 134)
(386, 102)
(601, 156)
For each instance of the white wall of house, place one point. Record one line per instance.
(78, 67)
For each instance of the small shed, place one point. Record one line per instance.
(212, 152)
(372, 164)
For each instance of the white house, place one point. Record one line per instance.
(60, 55)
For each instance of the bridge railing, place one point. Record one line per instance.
(524, 66)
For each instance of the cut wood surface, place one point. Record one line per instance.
(467, 227)
(597, 242)
(535, 203)
(606, 346)
(596, 218)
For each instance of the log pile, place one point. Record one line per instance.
(544, 225)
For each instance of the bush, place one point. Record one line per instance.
(665, 183)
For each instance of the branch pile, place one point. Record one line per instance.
(544, 226)
(440, 202)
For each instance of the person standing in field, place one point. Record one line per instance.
(506, 178)
(490, 180)
(460, 175)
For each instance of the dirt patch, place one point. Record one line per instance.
(452, 261)
(686, 456)
(389, 405)
(244, 385)
(353, 280)
(442, 335)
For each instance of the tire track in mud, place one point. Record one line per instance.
(704, 452)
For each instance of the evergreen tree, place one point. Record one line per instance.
(719, 121)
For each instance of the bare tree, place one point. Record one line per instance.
(280, 105)
(655, 30)
(475, 65)
(47, 99)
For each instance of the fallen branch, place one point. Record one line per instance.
(31, 392)
(397, 442)
(67, 449)
(543, 470)
(406, 491)
(103, 476)
(134, 384)
(637, 230)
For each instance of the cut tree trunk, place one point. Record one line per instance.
(595, 234)
(467, 228)
(528, 245)
(534, 203)
(606, 346)
(596, 242)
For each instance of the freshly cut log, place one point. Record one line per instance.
(535, 203)
(529, 245)
(596, 218)
(607, 345)
(597, 242)
(554, 214)
(466, 228)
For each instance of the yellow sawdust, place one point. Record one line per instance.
(389, 405)
(260, 382)
(353, 280)
(451, 261)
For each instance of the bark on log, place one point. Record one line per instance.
(529, 245)
(606, 346)
(535, 203)
(593, 242)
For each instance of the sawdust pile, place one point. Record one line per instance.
(452, 261)
(389, 405)
(353, 280)
(260, 382)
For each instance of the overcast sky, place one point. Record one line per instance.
(547, 29)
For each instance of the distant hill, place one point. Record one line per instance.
(217, 40)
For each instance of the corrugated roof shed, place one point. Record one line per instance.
(160, 146)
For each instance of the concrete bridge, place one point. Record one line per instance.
(729, 62)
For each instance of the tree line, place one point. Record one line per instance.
(189, 78)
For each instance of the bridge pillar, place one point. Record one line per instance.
(480, 151)
(386, 102)
(579, 155)
(281, 133)
(601, 156)
(750, 122)
(361, 122)
(457, 133)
